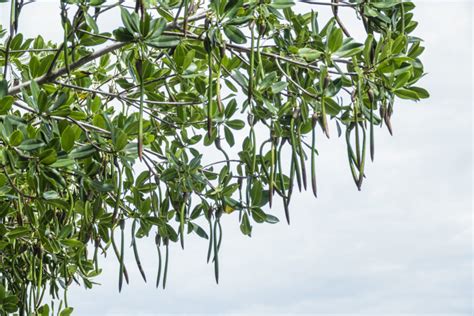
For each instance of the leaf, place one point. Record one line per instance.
(48, 157)
(5, 104)
(130, 21)
(335, 39)
(164, 41)
(3, 88)
(235, 124)
(16, 138)
(279, 87)
(407, 94)
(198, 230)
(234, 34)
(229, 137)
(82, 152)
(67, 311)
(50, 195)
(67, 138)
(31, 145)
(349, 49)
(119, 139)
(73, 243)
(18, 232)
(245, 226)
(282, 4)
(309, 54)
(271, 219)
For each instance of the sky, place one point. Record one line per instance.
(401, 246)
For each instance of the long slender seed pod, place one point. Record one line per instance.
(139, 66)
(166, 264)
(39, 281)
(362, 163)
(262, 160)
(119, 189)
(135, 251)
(357, 136)
(302, 158)
(282, 183)
(254, 149)
(211, 237)
(209, 96)
(220, 235)
(216, 253)
(294, 146)
(182, 215)
(372, 141)
(313, 156)
(158, 274)
(252, 63)
(350, 154)
(122, 253)
(272, 174)
(96, 251)
(117, 254)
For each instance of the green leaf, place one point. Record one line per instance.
(229, 136)
(31, 145)
(130, 21)
(3, 88)
(119, 139)
(50, 195)
(245, 226)
(18, 232)
(309, 54)
(48, 157)
(82, 152)
(235, 124)
(16, 138)
(407, 94)
(335, 39)
(68, 137)
(67, 311)
(282, 4)
(349, 49)
(5, 104)
(164, 41)
(234, 34)
(279, 87)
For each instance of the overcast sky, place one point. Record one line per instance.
(402, 246)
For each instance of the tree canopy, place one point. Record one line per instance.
(190, 111)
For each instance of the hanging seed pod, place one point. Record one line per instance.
(122, 253)
(135, 251)
(372, 141)
(138, 66)
(362, 162)
(294, 158)
(302, 158)
(211, 235)
(182, 218)
(272, 163)
(313, 154)
(324, 119)
(158, 244)
(165, 274)
(350, 154)
(210, 93)
(387, 116)
(119, 189)
(216, 253)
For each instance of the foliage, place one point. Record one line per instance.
(109, 127)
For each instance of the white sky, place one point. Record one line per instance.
(402, 246)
